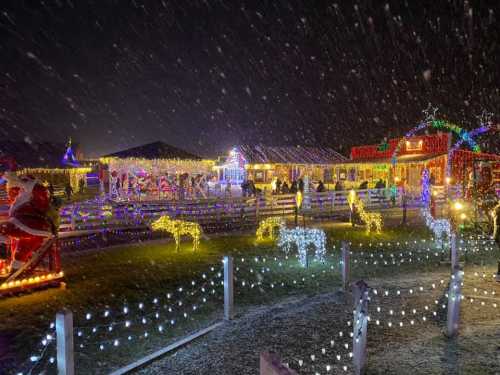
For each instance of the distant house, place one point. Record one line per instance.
(46, 161)
(264, 163)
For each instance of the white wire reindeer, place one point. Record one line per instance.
(302, 238)
(438, 226)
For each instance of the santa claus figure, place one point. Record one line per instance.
(30, 221)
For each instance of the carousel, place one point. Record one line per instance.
(154, 172)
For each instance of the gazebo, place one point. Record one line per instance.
(152, 170)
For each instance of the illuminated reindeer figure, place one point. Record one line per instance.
(303, 237)
(371, 219)
(438, 226)
(495, 214)
(178, 228)
(269, 226)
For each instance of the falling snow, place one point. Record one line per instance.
(274, 72)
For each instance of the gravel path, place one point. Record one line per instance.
(294, 326)
(307, 325)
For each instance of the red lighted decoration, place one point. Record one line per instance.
(31, 233)
(430, 144)
(463, 160)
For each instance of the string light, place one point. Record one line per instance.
(438, 226)
(178, 228)
(369, 218)
(268, 226)
(302, 238)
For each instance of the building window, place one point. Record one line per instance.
(414, 145)
(259, 176)
(234, 174)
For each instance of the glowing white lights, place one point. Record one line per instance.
(302, 238)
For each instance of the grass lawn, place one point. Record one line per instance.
(152, 274)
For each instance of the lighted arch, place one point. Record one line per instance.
(473, 134)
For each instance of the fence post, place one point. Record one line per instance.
(64, 339)
(360, 326)
(270, 364)
(345, 264)
(454, 298)
(454, 252)
(228, 288)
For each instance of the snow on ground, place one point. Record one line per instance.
(303, 327)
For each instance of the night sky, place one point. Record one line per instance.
(203, 75)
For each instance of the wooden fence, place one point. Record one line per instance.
(215, 214)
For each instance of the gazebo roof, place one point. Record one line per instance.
(254, 154)
(155, 150)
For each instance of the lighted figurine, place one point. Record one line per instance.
(439, 227)
(31, 229)
(178, 228)
(302, 238)
(268, 226)
(495, 214)
(371, 219)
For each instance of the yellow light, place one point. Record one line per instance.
(274, 183)
(397, 179)
(458, 205)
(31, 280)
(448, 180)
(369, 218)
(298, 199)
(268, 226)
(463, 216)
(177, 228)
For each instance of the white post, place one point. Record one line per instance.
(454, 298)
(454, 252)
(270, 364)
(345, 264)
(64, 337)
(360, 326)
(228, 288)
(306, 197)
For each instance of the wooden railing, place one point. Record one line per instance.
(213, 213)
(217, 213)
